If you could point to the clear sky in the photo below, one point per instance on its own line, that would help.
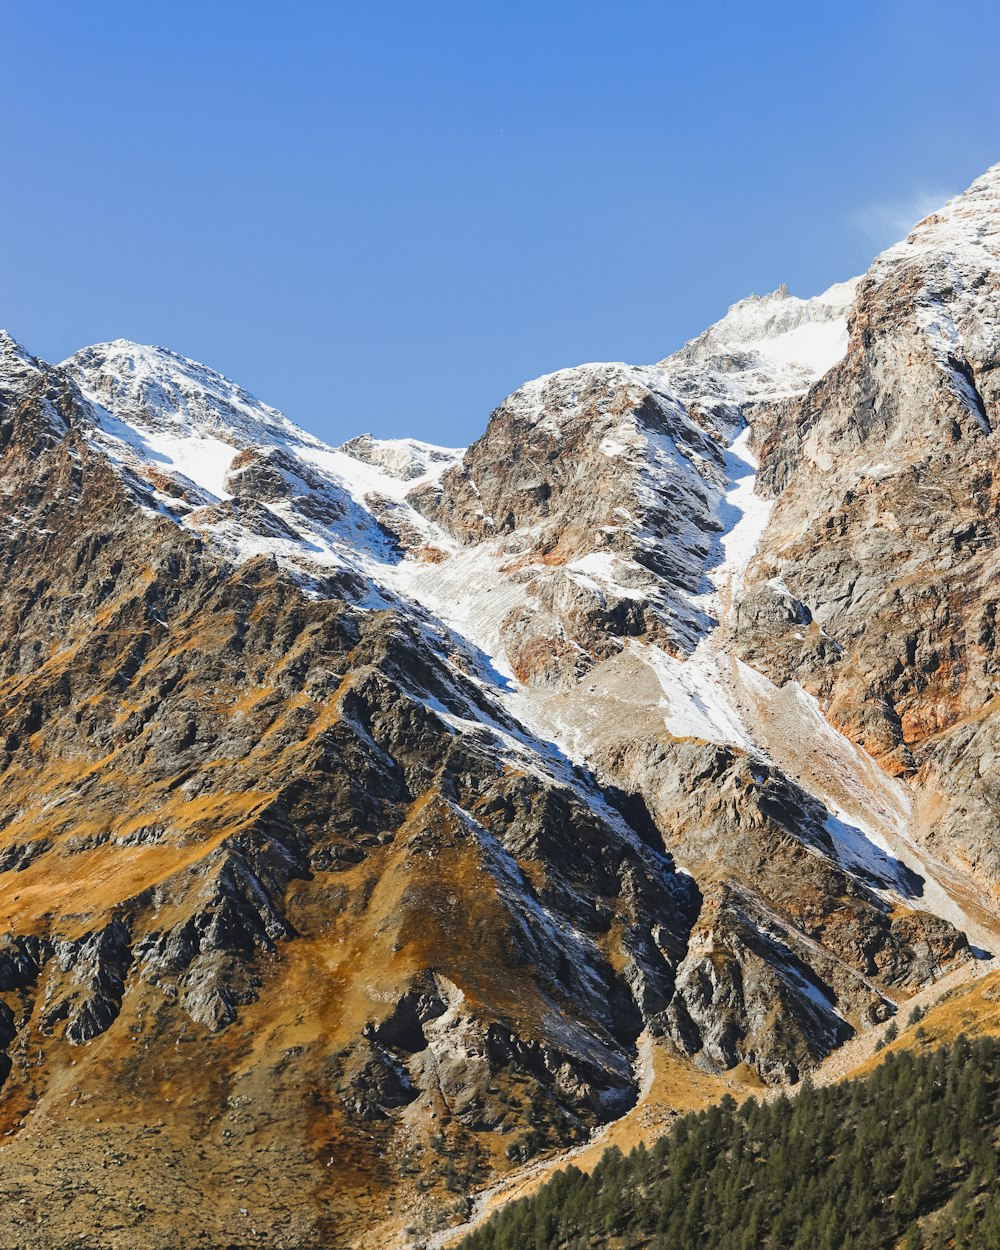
(385, 215)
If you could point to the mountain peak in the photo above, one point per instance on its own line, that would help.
(403, 459)
(159, 386)
(969, 220)
(17, 365)
(766, 347)
(944, 266)
(11, 349)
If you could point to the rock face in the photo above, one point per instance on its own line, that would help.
(361, 808)
(885, 528)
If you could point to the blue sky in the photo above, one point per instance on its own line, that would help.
(385, 216)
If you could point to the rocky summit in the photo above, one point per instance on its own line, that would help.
(379, 823)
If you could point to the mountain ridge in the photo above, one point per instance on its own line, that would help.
(422, 790)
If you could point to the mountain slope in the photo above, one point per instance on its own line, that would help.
(370, 815)
(239, 794)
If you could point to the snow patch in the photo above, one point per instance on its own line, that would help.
(697, 702)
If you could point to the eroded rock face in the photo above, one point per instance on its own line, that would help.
(344, 794)
(884, 533)
(597, 494)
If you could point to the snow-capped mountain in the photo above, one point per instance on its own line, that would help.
(389, 813)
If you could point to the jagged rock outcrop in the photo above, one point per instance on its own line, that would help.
(884, 532)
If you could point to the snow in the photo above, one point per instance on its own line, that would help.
(696, 690)
(153, 387)
(825, 1008)
(765, 348)
(955, 254)
(748, 513)
(203, 460)
(156, 414)
(935, 319)
(867, 854)
(815, 346)
(363, 479)
(19, 370)
(188, 417)
(697, 703)
(470, 594)
(604, 570)
(612, 445)
(870, 814)
(16, 365)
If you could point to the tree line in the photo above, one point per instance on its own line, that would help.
(904, 1157)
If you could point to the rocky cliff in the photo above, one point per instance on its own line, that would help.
(366, 814)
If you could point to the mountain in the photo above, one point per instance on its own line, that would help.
(379, 821)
